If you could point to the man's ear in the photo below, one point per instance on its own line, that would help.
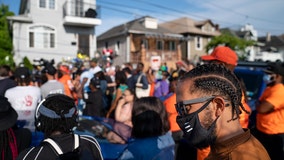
(219, 105)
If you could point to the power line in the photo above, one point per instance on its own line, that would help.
(241, 14)
(183, 13)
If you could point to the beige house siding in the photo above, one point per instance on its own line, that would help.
(195, 52)
(141, 54)
(192, 29)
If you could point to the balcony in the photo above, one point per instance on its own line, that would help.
(81, 14)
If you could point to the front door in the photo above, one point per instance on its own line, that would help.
(84, 44)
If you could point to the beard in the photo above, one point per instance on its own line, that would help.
(210, 125)
(210, 139)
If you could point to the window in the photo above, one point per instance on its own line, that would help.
(84, 44)
(172, 45)
(116, 48)
(79, 8)
(145, 42)
(160, 45)
(106, 45)
(41, 36)
(42, 3)
(198, 43)
(118, 44)
(47, 4)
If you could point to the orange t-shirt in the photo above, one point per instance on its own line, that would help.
(152, 89)
(244, 117)
(203, 153)
(172, 113)
(66, 81)
(272, 123)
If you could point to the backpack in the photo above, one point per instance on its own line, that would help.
(73, 155)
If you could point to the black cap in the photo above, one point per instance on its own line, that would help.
(22, 72)
(49, 69)
(275, 68)
(95, 82)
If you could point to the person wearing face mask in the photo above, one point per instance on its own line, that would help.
(208, 105)
(270, 112)
(227, 57)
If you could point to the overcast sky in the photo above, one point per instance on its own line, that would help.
(265, 15)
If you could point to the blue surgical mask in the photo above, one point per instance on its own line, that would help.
(268, 78)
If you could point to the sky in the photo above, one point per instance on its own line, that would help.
(264, 15)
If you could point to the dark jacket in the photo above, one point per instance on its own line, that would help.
(89, 148)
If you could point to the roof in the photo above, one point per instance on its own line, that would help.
(275, 42)
(136, 26)
(20, 18)
(186, 25)
(237, 33)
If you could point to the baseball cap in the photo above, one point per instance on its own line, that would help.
(64, 68)
(49, 69)
(94, 60)
(95, 82)
(223, 54)
(275, 68)
(22, 72)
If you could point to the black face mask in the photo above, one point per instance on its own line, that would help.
(194, 133)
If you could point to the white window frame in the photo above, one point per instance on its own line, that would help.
(41, 37)
(198, 43)
(47, 5)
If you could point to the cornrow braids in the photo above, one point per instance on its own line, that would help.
(215, 79)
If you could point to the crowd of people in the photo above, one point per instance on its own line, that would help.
(192, 112)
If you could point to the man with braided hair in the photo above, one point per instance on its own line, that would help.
(208, 104)
(226, 56)
(56, 116)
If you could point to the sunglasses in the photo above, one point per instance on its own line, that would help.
(183, 110)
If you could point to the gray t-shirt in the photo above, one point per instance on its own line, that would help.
(51, 87)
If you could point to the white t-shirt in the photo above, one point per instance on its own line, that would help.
(24, 99)
(95, 70)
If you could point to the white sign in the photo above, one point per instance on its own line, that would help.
(155, 62)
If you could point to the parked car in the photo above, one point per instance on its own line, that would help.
(251, 73)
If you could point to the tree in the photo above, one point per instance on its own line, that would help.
(229, 40)
(6, 45)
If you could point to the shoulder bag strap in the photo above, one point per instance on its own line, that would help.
(57, 147)
(76, 141)
(139, 78)
(54, 145)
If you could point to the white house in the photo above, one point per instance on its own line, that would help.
(54, 29)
